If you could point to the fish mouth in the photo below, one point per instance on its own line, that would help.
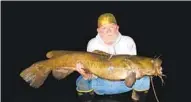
(157, 64)
(158, 69)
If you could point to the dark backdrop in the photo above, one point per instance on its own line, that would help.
(30, 29)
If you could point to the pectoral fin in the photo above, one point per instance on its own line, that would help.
(130, 79)
(61, 73)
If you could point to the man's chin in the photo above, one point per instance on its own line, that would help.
(109, 42)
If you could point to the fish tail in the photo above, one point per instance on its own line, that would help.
(35, 75)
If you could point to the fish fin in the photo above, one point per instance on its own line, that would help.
(55, 53)
(35, 75)
(61, 73)
(130, 79)
(49, 54)
(101, 52)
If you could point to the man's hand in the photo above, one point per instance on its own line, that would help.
(138, 73)
(86, 75)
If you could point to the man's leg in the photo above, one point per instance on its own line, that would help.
(139, 96)
(84, 89)
(140, 89)
(107, 87)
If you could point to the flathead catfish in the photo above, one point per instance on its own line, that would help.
(111, 67)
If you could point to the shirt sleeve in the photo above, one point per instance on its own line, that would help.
(134, 49)
(132, 46)
(91, 48)
(90, 45)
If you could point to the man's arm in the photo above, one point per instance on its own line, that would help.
(91, 46)
(132, 49)
(79, 66)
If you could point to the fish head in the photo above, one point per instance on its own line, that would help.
(157, 64)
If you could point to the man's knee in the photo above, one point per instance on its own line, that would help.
(142, 84)
(83, 85)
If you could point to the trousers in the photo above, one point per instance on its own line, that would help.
(106, 87)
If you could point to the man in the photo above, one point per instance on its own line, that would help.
(110, 40)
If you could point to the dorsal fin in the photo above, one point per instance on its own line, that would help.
(101, 52)
(56, 53)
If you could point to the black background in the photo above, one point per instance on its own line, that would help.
(30, 29)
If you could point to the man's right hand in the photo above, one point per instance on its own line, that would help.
(86, 75)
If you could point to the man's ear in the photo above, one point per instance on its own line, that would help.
(117, 27)
(98, 30)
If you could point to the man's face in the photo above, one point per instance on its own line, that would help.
(108, 33)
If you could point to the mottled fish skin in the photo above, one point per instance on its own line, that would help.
(101, 64)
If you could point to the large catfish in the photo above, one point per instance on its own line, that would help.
(111, 67)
